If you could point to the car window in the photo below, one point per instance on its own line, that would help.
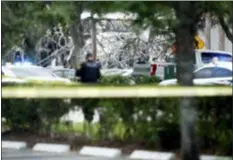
(221, 72)
(213, 72)
(58, 73)
(170, 58)
(207, 57)
(204, 73)
(65, 73)
(70, 73)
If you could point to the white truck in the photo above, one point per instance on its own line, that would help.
(161, 69)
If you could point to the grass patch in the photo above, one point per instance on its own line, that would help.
(118, 129)
(62, 128)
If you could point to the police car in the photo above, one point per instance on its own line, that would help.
(158, 68)
(24, 73)
(219, 73)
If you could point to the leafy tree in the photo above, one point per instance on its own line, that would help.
(19, 21)
(188, 15)
(223, 12)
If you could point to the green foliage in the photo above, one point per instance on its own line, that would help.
(31, 19)
(147, 80)
(32, 114)
(215, 121)
(19, 19)
(51, 110)
(115, 80)
(162, 16)
(152, 121)
(120, 80)
(21, 114)
(22, 20)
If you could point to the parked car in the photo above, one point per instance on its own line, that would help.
(63, 72)
(166, 69)
(115, 71)
(27, 73)
(211, 74)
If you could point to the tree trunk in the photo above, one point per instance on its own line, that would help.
(77, 36)
(93, 37)
(186, 31)
(225, 26)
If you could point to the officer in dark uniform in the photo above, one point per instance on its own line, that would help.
(18, 57)
(89, 71)
(98, 62)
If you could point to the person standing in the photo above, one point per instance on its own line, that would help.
(89, 73)
(18, 58)
(99, 63)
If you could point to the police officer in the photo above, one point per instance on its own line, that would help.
(98, 62)
(89, 71)
(18, 57)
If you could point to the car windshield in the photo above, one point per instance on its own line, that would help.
(28, 72)
(207, 57)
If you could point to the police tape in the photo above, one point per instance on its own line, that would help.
(114, 92)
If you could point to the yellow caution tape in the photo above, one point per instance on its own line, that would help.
(113, 92)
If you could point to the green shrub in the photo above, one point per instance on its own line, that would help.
(34, 115)
(153, 121)
(147, 80)
(215, 122)
(115, 80)
(21, 114)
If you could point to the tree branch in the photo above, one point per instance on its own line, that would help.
(226, 29)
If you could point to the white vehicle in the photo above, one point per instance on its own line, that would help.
(202, 57)
(26, 73)
(211, 74)
(120, 72)
(63, 72)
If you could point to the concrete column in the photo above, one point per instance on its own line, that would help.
(221, 43)
(208, 31)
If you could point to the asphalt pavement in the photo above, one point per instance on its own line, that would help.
(28, 154)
